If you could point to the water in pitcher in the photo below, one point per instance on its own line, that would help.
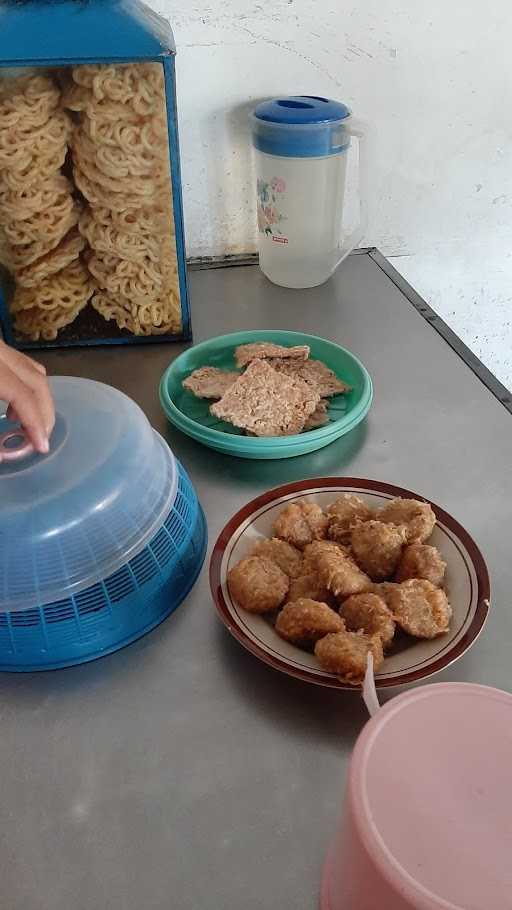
(300, 203)
(301, 146)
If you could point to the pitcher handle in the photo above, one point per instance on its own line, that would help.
(358, 130)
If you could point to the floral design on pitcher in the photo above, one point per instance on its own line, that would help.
(269, 216)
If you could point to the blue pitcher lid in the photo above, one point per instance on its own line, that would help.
(302, 109)
(301, 126)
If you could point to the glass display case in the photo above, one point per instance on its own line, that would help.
(91, 224)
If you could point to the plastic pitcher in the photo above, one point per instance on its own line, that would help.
(301, 146)
(428, 815)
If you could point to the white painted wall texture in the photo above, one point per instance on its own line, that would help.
(434, 77)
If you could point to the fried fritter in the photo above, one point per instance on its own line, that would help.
(346, 654)
(369, 613)
(383, 590)
(310, 587)
(317, 521)
(257, 584)
(338, 571)
(418, 518)
(288, 558)
(343, 514)
(304, 621)
(420, 608)
(377, 548)
(301, 523)
(314, 549)
(421, 561)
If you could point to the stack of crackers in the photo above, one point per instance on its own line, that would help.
(280, 392)
(100, 228)
(39, 240)
(121, 167)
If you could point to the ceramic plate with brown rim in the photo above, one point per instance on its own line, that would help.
(409, 660)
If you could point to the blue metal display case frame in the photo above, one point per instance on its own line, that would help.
(56, 33)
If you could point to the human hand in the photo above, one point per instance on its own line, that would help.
(25, 388)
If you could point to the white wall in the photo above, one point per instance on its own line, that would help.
(435, 79)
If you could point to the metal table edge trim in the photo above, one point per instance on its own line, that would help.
(421, 306)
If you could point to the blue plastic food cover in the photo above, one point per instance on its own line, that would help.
(100, 540)
(92, 246)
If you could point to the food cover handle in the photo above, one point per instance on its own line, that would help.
(15, 445)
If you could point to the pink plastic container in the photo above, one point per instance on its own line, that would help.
(428, 815)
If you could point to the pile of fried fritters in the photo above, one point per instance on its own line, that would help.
(343, 580)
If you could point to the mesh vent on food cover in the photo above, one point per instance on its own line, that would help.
(116, 609)
(74, 516)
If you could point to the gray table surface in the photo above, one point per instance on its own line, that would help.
(181, 772)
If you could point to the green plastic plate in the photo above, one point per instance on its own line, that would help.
(192, 415)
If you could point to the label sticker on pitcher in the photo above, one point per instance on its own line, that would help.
(270, 218)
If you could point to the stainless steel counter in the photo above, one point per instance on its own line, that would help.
(181, 773)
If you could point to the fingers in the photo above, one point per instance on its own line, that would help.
(24, 403)
(44, 401)
(12, 357)
(34, 376)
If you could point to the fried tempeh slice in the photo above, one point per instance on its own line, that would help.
(265, 403)
(314, 372)
(319, 417)
(246, 353)
(210, 382)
